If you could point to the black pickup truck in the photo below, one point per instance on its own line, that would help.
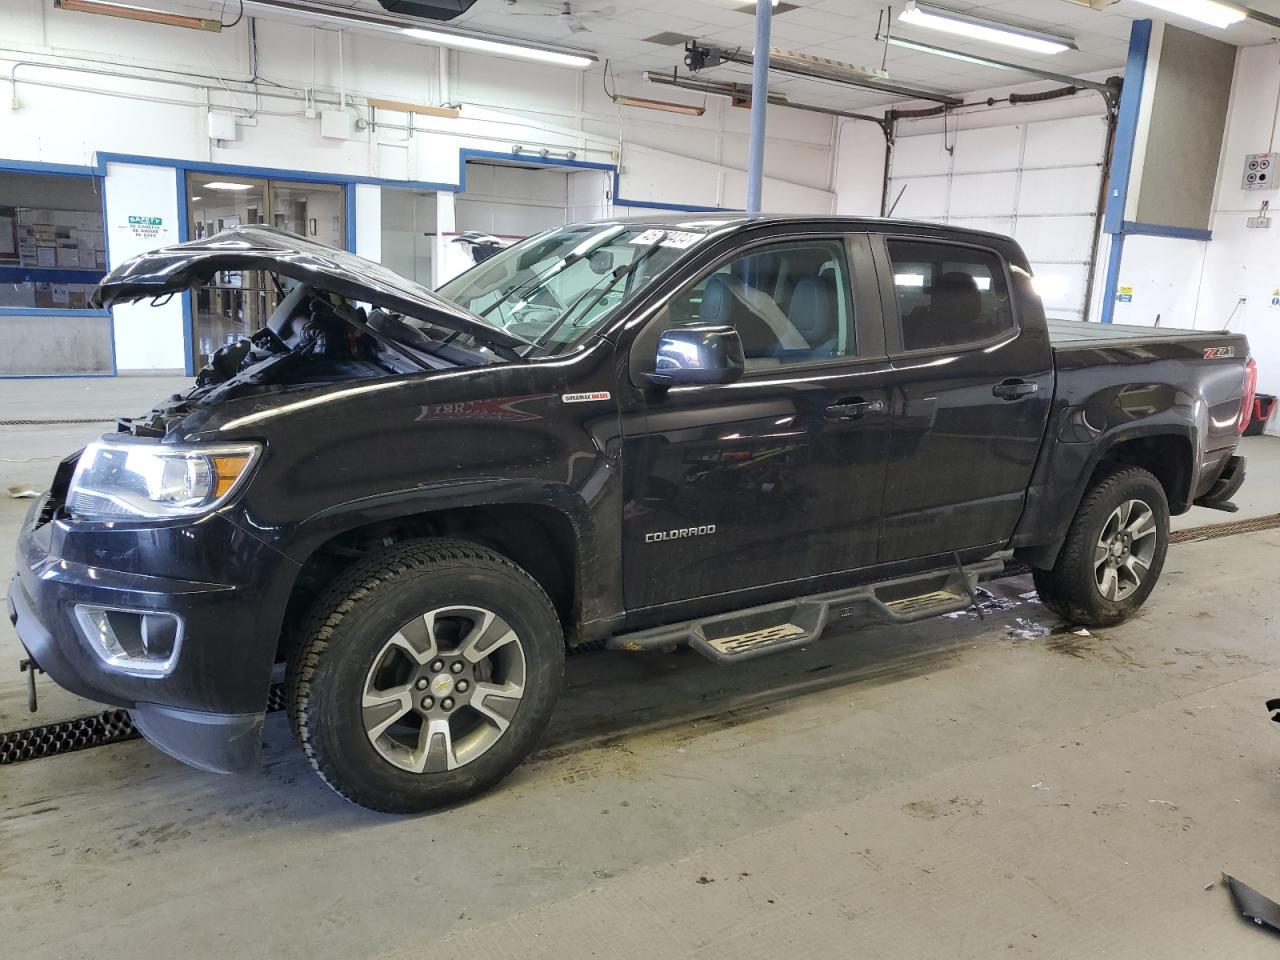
(708, 430)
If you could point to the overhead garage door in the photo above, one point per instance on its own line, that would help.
(1036, 181)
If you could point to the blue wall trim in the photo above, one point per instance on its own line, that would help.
(303, 176)
(53, 312)
(49, 275)
(1135, 71)
(62, 169)
(349, 217)
(1158, 230)
(188, 315)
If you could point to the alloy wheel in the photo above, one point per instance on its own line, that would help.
(1125, 550)
(443, 689)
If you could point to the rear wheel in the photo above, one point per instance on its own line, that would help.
(1114, 550)
(427, 674)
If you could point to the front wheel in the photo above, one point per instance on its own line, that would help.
(1113, 553)
(426, 675)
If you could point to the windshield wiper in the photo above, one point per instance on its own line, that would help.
(620, 273)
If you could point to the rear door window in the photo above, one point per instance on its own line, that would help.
(948, 295)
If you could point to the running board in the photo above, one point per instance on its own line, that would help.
(774, 627)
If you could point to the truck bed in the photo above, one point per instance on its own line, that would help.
(1077, 333)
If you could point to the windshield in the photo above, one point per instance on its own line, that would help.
(556, 288)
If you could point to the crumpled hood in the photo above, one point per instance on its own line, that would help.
(174, 269)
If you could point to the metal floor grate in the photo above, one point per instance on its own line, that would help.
(1234, 528)
(49, 423)
(114, 726)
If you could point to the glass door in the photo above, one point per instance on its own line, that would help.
(236, 303)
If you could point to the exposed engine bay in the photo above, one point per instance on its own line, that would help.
(312, 338)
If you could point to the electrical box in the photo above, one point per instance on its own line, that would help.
(222, 125)
(1260, 171)
(335, 124)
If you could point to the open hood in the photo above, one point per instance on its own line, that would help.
(173, 269)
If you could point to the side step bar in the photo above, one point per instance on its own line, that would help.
(774, 627)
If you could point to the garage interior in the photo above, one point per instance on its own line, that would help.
(997, 781)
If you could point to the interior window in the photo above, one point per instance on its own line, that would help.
(790, 302)
(948, 296)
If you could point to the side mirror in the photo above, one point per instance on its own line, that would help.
(704, 354)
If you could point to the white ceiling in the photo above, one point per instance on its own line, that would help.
(842, 30)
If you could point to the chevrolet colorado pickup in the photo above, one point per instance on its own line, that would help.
(716, 431)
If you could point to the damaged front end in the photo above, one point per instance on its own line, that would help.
(340, 318)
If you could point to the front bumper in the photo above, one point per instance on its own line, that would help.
(229, 588)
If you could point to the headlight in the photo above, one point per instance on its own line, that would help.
(117, 480)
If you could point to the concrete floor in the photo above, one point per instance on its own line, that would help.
(957, 788)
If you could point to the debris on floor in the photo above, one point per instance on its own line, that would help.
(22, 493)
(1252, 905)
(1273, 708)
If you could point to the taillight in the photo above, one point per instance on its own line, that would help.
(1250, 394)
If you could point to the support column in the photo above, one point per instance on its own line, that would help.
(759, 104)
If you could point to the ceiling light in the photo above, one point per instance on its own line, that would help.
(977, 28)
(1220, 15)
(461, 41)
(197, 198)
(228, 185)
(941, 52)
(144, 14)
(1103, 88)
(444, 36)
(663, 105)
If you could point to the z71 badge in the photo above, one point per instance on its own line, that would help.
(1219, 353)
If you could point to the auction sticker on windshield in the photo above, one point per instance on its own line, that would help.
(674, 238)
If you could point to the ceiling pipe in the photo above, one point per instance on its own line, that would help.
(740, 94)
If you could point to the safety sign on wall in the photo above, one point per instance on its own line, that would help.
(145, 228)
(1275, 300)
(1124, 294)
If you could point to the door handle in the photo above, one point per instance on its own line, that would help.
(854, 409)
(1014, 389)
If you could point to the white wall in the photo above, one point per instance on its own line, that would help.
(1240, 262)
(147, 337)
(1029, 170)
(65, 115)
(89, 85)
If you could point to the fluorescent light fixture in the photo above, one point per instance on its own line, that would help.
(503, 48)
(978, 28)
(228, 185)
(197, 198)
(127, 11)
(663, 105)
(908, 279)
(941, 52)
(1220, 15)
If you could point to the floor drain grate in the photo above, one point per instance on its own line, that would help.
(52, 423)
(51, 739)
(1234, 528)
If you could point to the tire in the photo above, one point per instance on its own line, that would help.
(1074, 588)
(368, 662)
